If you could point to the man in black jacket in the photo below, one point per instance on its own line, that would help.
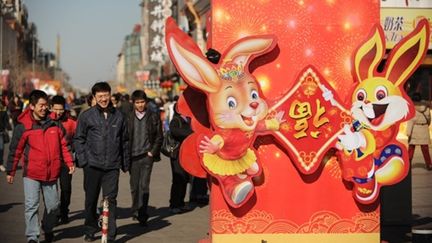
(4, 124)
(101, 144)
(146, 137)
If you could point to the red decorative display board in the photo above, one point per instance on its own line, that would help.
(294, 126)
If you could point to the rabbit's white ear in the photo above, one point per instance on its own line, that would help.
(368, 56)
(242, 51)
(196, 71)
(408, 54)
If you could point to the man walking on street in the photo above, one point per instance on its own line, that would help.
(145, 129)
(4, 135)
(37, 135)
(101, 145)
(58, 113)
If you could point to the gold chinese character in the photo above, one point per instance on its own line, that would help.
(317, 120)
(301, 112)
(301, 126)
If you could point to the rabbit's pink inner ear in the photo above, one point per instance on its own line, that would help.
(408, 54)
(242, 52)
(194, 69)
(369, 55)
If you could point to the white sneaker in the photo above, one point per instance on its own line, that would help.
(2, 168)
(253, 169)
(241, 191)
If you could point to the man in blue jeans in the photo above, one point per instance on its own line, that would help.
(44, 140)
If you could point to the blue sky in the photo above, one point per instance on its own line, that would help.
(91, 31)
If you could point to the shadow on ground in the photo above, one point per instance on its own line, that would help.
(157, 220)
(6, 207)
(418, 220)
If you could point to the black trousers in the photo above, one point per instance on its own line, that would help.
(94, 180)
(199, 189)
(180, 179)
(140, 173)
(66, 191)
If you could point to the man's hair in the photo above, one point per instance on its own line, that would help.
(35, 95)
(89, 99)
(116, 96)
(58, 100)
(139, 95)
(125, 97)
(100, 87)
(417, 97)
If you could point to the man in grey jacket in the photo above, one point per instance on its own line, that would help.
(102, 148)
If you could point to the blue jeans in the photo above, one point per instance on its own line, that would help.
(32, 189)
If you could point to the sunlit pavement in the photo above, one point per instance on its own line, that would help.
(162, 226)
(421, 190)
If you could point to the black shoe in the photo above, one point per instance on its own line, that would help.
(175, 210)
(49, 237)
(201, 200)
(180, 210)
(32, 241)
(89, 238)
(64, 220)
(143, 220)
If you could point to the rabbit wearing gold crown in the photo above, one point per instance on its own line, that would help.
(372, 157)
(236, 111)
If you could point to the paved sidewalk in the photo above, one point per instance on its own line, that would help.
(163, 226)
(421, 190)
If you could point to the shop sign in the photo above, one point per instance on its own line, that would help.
(397, 23)
(406, 4)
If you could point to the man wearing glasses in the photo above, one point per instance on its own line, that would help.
(101, 145)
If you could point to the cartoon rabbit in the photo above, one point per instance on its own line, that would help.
(372, 157)
(236, 110)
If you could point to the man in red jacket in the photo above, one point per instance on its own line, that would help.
(43, 144)
(58, 113)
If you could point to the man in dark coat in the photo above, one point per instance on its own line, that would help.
(146, 138)
(102, 146)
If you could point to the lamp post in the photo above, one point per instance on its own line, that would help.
(33, 57)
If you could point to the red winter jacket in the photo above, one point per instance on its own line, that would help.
(43, 145)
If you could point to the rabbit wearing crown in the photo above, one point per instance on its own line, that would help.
(372, 157)
(236, 112)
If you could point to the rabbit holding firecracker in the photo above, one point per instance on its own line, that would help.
(236, 111)
(372, 157)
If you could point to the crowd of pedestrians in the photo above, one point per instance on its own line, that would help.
(109, 133)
